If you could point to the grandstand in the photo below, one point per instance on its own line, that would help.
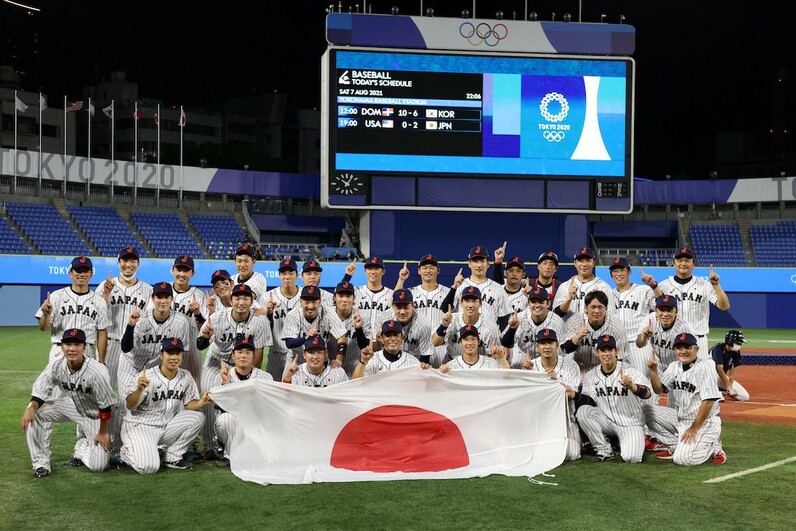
(47, 229)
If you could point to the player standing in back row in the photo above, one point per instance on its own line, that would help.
(188, 301)
(569, 299)
(122, 294)
(244, 263)
(76, 306)
(495, 302)
(634, 306)
(693, 294)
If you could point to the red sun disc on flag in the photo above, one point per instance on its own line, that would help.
(400, 439)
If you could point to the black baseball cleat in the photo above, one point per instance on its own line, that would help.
(41, 472)
(74, 461)
(603, 457)
(182, 464)
(222, 463)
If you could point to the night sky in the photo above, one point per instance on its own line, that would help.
(702, 67)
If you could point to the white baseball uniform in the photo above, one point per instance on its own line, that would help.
(160, 419)
(121, 301)
(327, 377)
(618, 412)
(192, 359)
(518, 301)
(416, 333)
(494, 301)
(296, 325)
(278, 351)
(688, 388)
(353, 353)
(525, 337)
(693, 305)
(428, 304)
(568, 373)
(585, 355)
(633, 307)
(86, 311)
(662, 341)
(380, 363)
(83, 394)
(483, 362)
(372, 303)
(488, 334)
(577, 306)
(256, 282)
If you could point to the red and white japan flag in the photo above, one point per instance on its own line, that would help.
(404, 424)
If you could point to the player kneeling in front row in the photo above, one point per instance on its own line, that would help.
(315, 371)
(617, 391)
(87, 399)
(244, 369)
(469, 341)
(162, 409)
(565, 371)
(693, 419)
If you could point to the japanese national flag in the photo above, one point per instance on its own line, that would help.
(404, 424)
(108, 111)
(183, 119)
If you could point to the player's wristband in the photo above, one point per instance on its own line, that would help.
(641, 391)
(442, 330)
(425, 359)
(341, 348)
(362, 362)
(104, 414)
(654, 286)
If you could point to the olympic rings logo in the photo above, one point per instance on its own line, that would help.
(554, 136)
(562, 101)
(483, 33)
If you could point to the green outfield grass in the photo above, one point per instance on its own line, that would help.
(784, 338)
(588, 495)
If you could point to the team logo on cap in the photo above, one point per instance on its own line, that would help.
(583, 251)
(665, 298)
(391, 324)
(682, 337)
(163, 285)
(73, 333)
(315, 341)
(174, 341)
(616, 260)
(516, 259)
(374, 260)
(549, 253)
(537, 291)
(477, 250)
(129, 249)
(428, 257)
(311, 289)
(471, 289)
(245, 341)
(346, 285)
(605, 338)
(287, 260)
(218, 272)
(402, 295)
(546, 332)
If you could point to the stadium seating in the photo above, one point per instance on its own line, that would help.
(106, 229)
(47, 229)
(220, 234)
(167, 234)
(10, 243)
(719, 245)
(774, 245)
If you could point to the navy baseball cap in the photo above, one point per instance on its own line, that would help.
(73, 335)
(479, 251)
(584, 252)
(247, 249)
(81, 262)
(314, 342)
(684, 252)
(538, 294)
(311, 293)
(162, 288)
(666, 301)
(468, 330)
(288, 264)
(546, 334)
(128, 253)
(606, 341)
(311, 265)
(219, 274)
(344, 287)
(244, 342)
(183, 261)
(242, 289)
(428, 259)
(617, 263)
(515, 262)
(402, 296)
(549, 255)
(685, 339)
(374, 261)
(471, 292)
(391, 326)
(172, 343)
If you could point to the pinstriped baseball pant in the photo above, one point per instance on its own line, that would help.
(140, 441)
(226, 426)
(39, 435)
(694, 453)
(596, 425)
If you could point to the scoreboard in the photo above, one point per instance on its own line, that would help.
(408, 129)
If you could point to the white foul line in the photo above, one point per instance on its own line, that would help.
(750, 471)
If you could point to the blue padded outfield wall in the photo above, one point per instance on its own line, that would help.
(27, 279)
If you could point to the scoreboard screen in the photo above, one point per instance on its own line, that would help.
(427, 130)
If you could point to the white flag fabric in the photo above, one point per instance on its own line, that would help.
(405, 424)
(91, 109)
(20, 106)
(183, 119)
(42, 102)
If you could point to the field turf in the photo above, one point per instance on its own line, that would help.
(586, 495)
